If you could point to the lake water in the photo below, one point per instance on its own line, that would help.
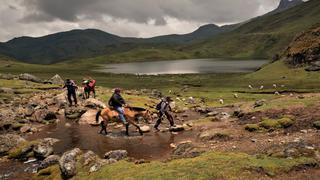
(191, 66)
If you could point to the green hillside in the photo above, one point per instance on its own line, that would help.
(261, 37)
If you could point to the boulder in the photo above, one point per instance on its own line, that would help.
(68, 163)
(93, 161)
(56, 79)
(29, 77)
(42, 150)
(185, 150)
(116, 155)
(74, 113)
(50, 116)
(9, 141)
(49, 161)
(94, 103)
(89, 117)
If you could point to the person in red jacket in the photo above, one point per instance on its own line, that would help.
(88, 87)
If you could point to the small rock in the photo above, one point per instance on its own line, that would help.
(145, 129)
(117, 155)
(25, 129)
(254, 140)
(177, 128)
(304, 131)
(67, 125)
(214, 113)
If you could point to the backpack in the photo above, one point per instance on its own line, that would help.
(158, 106)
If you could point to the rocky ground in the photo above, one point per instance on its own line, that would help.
(254, 128)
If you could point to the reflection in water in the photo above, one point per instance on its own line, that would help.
(150, 146)
(192, 66)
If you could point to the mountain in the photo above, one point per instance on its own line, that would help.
(286, 4)
(89, 43)
(262, 37)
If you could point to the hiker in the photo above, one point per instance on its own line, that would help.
(164, 107)
(71, 88)
(88, 87)
(116, 101)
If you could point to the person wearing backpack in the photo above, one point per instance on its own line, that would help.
(71, 91)
(164, 107)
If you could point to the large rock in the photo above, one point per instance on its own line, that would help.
(74, 113)
(185, 150)
(116, 155)
(49, 161)
(89, 117)
(91, 160)
(42, 150)
(68, 163)
(29, 77)
(94, 103)
(9, 141)
(56, 79)
(60, 100)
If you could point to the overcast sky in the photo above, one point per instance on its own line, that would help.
(136, 18)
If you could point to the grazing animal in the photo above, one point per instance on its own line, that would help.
(131, 113)
(261, 87)
(221, 101)
(235, 96)
(274, 85)
(250, 87)
(277, 93)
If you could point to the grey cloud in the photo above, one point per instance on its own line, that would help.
(142, 11)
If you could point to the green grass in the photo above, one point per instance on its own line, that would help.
(207, 166)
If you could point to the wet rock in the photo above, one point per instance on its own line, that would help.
(93, 161)
(29, 77)
(49, 161)
(202, 110)
(74, 113)
(9, 141)
(68, 163)
(177, 128)
(94, 103)
(186, 150)
(42, 150)
(145, 129)
(56, 79)
(117, 155)
(89, 117)
(259, 103)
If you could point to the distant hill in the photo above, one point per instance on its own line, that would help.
(261, 37)
(91, 42)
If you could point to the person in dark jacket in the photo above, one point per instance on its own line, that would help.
(71, 89)
(117, 102)
(164, 107)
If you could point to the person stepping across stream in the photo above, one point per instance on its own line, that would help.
(164, 107)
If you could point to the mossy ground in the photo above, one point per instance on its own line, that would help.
(207, 166)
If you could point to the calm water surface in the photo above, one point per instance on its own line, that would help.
(191, 66)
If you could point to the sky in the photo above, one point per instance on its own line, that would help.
(129, 18)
